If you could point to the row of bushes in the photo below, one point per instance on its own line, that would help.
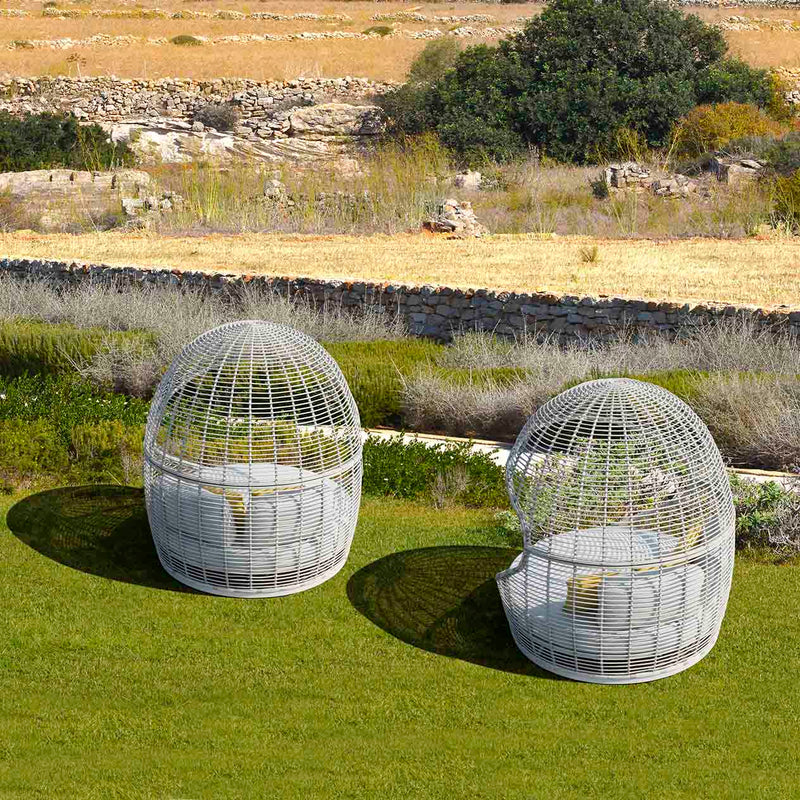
(103, 451)
(31, 346)
(36, 449)
(743, 383)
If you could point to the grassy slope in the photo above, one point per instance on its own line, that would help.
(696, 269)
(113, 689)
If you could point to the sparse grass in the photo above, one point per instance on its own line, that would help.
(754, 418)
(762, 271)
(741, 381)
(392, 193)
(134, 365)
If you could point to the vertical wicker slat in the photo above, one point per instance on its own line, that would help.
(252, 463)
(628, 526)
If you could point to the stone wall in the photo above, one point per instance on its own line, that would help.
(263, 105)
(436, 312)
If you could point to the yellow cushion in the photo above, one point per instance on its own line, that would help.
(236, 503)
(692, 536)
(583, 593)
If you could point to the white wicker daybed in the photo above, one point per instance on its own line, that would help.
(628, 525)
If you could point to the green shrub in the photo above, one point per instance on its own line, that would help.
(733, 80)
(107, 450)
(381, 30)
(767, 517)
(220, 116)
(413, 470)
(433, 61)
(787, 200)
(578, 74)
(30, 449)
(29, 346)
(64, 402)
(782, 155)
(101, 452)
(374, 372)
(406, 110)
(185, 40)
(707, 128)
(778, 105)
(46, 141)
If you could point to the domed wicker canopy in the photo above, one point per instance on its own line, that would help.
(253, 463)
(628, 526)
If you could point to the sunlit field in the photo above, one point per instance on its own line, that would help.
(381, 59)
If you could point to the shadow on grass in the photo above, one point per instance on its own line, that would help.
(102, 530)
(444, 600)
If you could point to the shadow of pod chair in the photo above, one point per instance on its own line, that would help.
(252, 463)
(628, 526)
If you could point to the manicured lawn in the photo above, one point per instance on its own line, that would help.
(115, 689)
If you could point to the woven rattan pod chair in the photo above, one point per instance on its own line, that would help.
(628, 526)
(252, 463)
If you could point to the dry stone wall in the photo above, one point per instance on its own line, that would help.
(431, 311)
(264, 106)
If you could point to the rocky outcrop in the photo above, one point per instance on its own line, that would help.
(735, 170)
(456, 219)
(331, 136)
(336, 120)
(303, 120)
(62, 196)
(630, 175)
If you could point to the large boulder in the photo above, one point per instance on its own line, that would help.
(336, 119)
(456, 219)
(736, 170)
(168, 141)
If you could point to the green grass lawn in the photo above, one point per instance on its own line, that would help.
(118, 684)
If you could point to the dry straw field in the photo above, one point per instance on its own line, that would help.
(378, 58)
(687, 270)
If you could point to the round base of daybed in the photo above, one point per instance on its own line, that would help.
(286, 532)
(590, 677)
(672, 666)
(640, 625)
(285, 583)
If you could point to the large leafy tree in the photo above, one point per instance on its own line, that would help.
(580, 72)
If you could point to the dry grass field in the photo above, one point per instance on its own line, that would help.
(382, 59)
(763, 272)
